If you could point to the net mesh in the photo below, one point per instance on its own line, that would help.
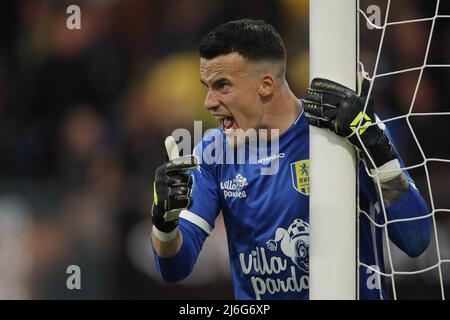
(405, 49)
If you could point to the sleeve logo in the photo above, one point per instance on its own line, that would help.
(300, 176)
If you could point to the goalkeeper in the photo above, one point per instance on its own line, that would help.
(243, 66)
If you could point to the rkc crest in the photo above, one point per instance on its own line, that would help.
(300, 176)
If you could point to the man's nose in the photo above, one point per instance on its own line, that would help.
(211, 101)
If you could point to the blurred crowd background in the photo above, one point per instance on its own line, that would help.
(84, 113)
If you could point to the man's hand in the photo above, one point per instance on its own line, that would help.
(172, 188)
(340, 109)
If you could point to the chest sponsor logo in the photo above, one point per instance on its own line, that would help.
(300, 176)
(285, 266)
(234, 188)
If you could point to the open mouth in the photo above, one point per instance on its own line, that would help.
(228, 123)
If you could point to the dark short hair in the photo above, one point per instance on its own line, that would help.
(253, 39)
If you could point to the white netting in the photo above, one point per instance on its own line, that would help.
(411, 124)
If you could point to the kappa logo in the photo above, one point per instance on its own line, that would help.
(234, 188)
(294, 243)
(300, 176)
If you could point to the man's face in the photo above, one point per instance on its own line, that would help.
(233, 91)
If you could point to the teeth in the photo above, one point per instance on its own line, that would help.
(228, 122)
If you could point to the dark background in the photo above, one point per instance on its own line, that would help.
(83, 115)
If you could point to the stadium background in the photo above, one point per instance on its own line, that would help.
(83, 115)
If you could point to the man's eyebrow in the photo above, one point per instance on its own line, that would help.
(215, 82)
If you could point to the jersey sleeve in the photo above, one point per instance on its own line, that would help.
(178, 267)
(411, 236)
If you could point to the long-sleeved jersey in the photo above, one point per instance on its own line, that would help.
(267, 220)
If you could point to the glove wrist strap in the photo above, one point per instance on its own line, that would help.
(165, 236)
(387, 171)
(380, 152)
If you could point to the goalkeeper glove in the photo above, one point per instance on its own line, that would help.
(172, 188)
(338, 108)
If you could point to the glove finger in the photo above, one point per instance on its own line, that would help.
(181, 164)
(325, 111)
(331, 99)
(324, 97)
(313, 108)
(317, 121)
(313, 96)
(179, 193)
(325, 85)
(171, 148)
(175, 180)
(180, 204)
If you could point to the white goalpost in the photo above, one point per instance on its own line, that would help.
(333, 55)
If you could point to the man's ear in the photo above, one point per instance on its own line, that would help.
(267, 85)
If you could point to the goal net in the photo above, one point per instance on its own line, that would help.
(405, 50)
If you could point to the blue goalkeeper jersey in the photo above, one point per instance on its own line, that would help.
(267, 221)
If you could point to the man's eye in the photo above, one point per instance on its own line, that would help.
(223, 86)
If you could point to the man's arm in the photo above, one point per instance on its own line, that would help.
(340, 109)
(167, 249)
(177, 264)
(394, 189)
(172, 193)
(176, 240)
(333, 106)
(392, 181)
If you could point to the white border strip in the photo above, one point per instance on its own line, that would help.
(197, 220)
